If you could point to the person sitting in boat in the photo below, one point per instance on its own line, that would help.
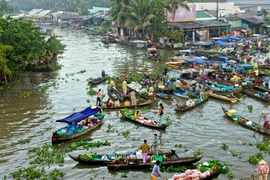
(109, 103)
(116, 103)
(190, 103)
(126, 103)
(184, 84)
(232, 94)
(112, 84)
(137, 115)
(266, 94)
(103, 74)
(235, 79)
(264, 116)
(151, 91)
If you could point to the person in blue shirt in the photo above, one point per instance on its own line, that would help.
(155, 172)
(266, 82)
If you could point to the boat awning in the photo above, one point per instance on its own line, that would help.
(194, 60)
(204, 43)
(78, 116)
(222, 43)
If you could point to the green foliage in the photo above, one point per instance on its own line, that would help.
(21, 141)
(222, 166)
(224, 147)
(87, 145)
(178, 145)
(138, 77)
(178, 169)
(105, 25)
(126, 134)
(176, 35)
(168, 120)
(198, 152)
(91, 92)
(25, 94)
(124, 174)
(264, 146)
(250, 108)
(253, 160)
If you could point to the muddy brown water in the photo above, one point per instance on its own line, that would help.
(204, 128)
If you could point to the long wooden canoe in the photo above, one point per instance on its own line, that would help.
(145, 103)
(247, 123)
(115, 94)
(56, 138)
(222, 97)
(255, 94)
(98, 80)
(138, 164)
(95, 162)
(183, 107)
(154, 126)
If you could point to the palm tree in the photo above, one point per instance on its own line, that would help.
(265, 18)
(172, 6)
(119, 12)
(139, 17)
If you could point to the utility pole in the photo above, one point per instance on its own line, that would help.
(217, 9)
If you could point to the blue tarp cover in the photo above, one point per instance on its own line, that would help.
(78, 116)
(196, 60)
(204, 43)
(231, 38)
(222, 43)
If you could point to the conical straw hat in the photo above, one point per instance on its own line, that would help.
(262, 162)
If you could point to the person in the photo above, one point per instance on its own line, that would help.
(201, 90)
(190, 103)
(151, 91)
(117, 103)
(184, 84)
(235, 79)
(160, 113)
(112, 84)
(133, 98)
(264, 116)
(109, 103)
(155, 145)
(145, 151)
(137, 115)
(103, 74)
(126, 103)
(124, 87)
(266, 82)
(99, 94)
(155, 172)
(177, 84)
(193, 85)
(263, 170)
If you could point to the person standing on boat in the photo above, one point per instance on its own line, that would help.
(264, 116)
(266, 82)
(155, 172)
(235, 79)
(177, 84)
(124, 87)
(133, 98)
(103, 74)
(112, 84)
(99, 94)
(155, 145)
(193, 85)
(160, 113)
(145, 151)
(263, 170)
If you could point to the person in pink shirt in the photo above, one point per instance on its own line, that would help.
(263, 170)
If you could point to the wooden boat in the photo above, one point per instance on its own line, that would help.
(247, 123)
(74, 119)
(115, 94)
(223, 88)
(256, 94)
(138, 164)
(162, 95)
(198, 101)
(143, 122)
(145, 103)
(222, 97)
(261, 88)
(95, 162)
(98, 80)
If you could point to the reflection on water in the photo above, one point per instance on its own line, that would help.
(204, 128)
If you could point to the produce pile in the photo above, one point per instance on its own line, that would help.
(95, 157)
(203, 171)
(128, 114)
(80, 126)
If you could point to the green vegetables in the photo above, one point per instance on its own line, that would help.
(88, 157)
(222, 166)
(88, 145)
(127, 113)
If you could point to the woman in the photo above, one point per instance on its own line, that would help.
(160, 113)
(117, 103)
(109, 103)
(263, 170)
(155, 172)
(137, 115)
(99, 94)
(124, 87)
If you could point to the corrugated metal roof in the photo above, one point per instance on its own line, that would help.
(35, 11)
(94, 10)
(44, 12)
(201, 24)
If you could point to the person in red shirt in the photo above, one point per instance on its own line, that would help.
(109, 103)
(160, 113)
(184, 84)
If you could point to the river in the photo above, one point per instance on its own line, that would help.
(204, 128)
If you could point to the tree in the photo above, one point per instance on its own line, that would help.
(159, 26)
(266, 19)
(139, 16)
(172, 6)
(119, 11)
(4, 6)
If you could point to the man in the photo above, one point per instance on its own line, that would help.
(155, 145)
(145, 151)
(133, 98)
(266, 82)
(160, 113)
(177, 84)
